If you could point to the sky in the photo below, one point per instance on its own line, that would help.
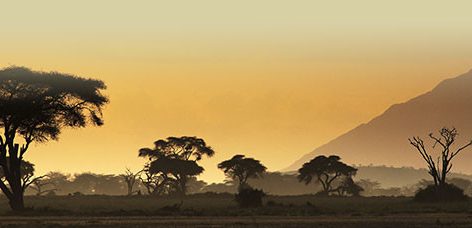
(269, 79)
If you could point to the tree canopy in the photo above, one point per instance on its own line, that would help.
(36, 106)
(241, 168)
(176, 167)
(325, 170)
(185, 148)
(172, 162)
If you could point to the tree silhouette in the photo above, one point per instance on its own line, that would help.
(349, 187)
(241, 169)
(195, 186)
(174, 160)
(369, 187)
(130, 179)
(176, 171)
(156, 184)
(184, 148)
(325, 170)
(36, 106)
(26, 174)
(439, 169)
(61, 182)
(39, 186)
(93, 184)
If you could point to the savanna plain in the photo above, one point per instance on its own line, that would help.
(220, 210)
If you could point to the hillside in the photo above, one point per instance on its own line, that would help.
(384, 140)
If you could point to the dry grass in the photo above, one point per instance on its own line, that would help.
(213, 210)
(423, 220)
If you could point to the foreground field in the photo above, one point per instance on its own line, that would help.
(423, 220)
(224, 205)
(220, 210)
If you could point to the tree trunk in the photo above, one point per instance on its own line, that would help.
(130, 189)
(16, 202)
(16, 198)
(183, 186)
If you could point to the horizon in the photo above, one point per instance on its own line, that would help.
(273, 85)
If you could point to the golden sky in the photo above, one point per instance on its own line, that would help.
(269, 79)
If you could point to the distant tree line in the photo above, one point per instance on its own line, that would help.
(56, 183)
(172, 168)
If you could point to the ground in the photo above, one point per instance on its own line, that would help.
(423, 220)
(220, 210)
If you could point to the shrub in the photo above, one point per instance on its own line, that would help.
(249, 197)
(77, 194)
(322, 194)
(443, 193)
(51, 193)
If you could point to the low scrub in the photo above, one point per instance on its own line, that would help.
(442, 193)
(249, 197)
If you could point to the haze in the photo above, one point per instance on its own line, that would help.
(268, 79)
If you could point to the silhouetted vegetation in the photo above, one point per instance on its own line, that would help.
(55, 183)
(36, 106)
(349, 188)
(442, 193)
(210, 204)
(439, 169)
(172, 162)
(155, 183)
(240, 168)
(327, 170)
(131, 179)
(249, 197)
(42, 186)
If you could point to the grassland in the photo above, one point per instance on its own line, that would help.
(220, 210)
(393, 221)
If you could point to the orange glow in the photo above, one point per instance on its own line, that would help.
(272, 79)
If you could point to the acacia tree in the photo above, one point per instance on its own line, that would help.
(34, 107)
(325, 170)
(175, 159)
(442, 166)
(240, 168)
(175, 172)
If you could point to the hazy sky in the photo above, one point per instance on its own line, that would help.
(269, 79)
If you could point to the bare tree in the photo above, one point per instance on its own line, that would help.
(442, 166)
(130, 179)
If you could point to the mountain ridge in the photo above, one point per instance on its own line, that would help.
(448, 104)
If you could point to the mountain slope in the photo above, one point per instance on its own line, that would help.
(384, 140)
